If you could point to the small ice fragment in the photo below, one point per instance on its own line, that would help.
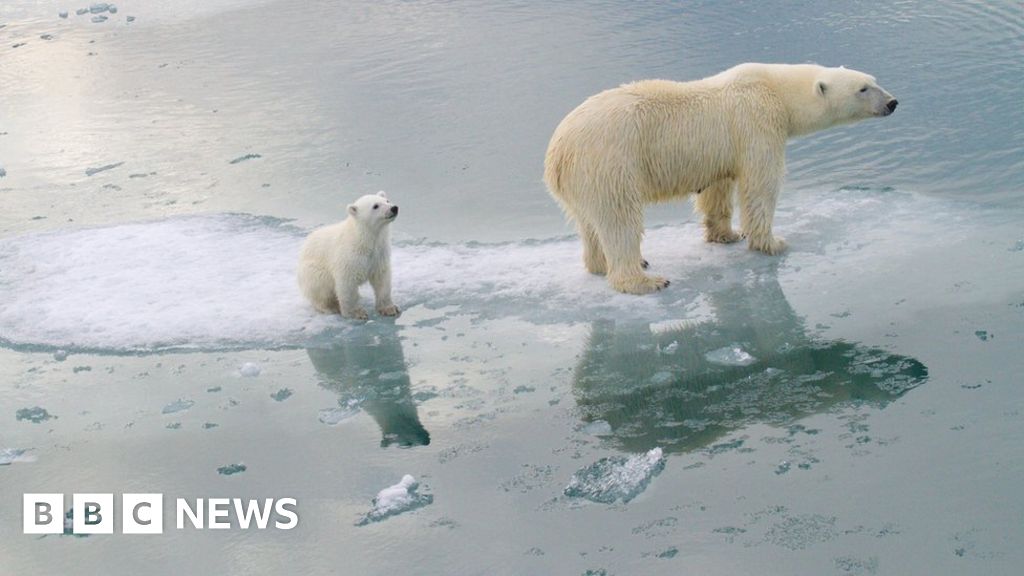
(81, 11)
(179, 405)
(982, 335)
(34, 415)
(99, 7)
(99, 18)
(282, 394)
(661, 377)
(249, 369)
(671, 348)
(598, 428)
(3, 172)
(337, 415)
(60, 355)
(783, 467)
(130, 19)
(394, 500)
(97, 170)
(616, 477)
(112, 9)
(730, 356)
(63, 14)
(231, 469)
(244, 158)
(10, 455)
(46, 36)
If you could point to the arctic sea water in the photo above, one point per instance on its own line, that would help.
(851, 407)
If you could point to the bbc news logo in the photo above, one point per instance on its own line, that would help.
(144, 513)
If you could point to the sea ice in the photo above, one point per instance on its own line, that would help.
(99, 7)
(179, 405)
(337, 415)
(231, 469)
(99, 18)
(104, 168)
(730, 356)
(393, 500)
(249, 369)
(63, 14)
(598, 428)
(34, 415)
(11, 455)
(616, 477)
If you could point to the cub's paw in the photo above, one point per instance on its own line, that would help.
(389, 310)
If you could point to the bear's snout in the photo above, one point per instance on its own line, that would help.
(394, 209)
(891, 105)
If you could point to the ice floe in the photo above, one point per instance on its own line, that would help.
(394, 500)
(616, 477)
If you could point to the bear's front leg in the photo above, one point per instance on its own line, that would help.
(347, 292)
(759, 192)
(381, 281)
(715, 202)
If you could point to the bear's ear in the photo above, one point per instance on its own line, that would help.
(382, 194)
(820, 87)
(352, 209)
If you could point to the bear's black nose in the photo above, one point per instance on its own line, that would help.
(892, 105)
(394, 210)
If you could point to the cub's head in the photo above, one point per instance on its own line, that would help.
(850, 95)
(373, 210)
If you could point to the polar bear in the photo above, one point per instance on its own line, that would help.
(336, 260)
(657, 140)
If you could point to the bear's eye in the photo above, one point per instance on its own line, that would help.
(864, 89)
(375, 206)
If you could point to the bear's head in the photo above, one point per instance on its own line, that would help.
(850, 95)
(374, 210)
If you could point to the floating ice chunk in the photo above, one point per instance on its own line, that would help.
(112, 9)
(63, 14)
(282, 394)
(99, 7)
(99, 18)
(250, 369)
(34, 415)
(81, 11)
(598, 428)
(3, 172)
(244, 158)
(616, 477)
(671, 348)
(231, 469)
(104, 168)
(60, 355)
(393, 500)
(11, 455)
(730, 356)
(130, 19)
(337, 415)
(179, 405)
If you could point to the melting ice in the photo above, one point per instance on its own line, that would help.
(393, 500)
(616, 477)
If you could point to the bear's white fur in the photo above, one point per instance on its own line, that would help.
(657, 140)
(336, 260)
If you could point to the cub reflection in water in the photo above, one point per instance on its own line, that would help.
(659, 387)
(367, 370)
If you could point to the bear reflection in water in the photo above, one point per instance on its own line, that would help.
(659, 388)
(368, 370)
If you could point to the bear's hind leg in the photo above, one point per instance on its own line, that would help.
(593, 254)
(347, 292)
(715, 202)
(620, 235)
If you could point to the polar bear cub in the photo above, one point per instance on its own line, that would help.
(336, 260)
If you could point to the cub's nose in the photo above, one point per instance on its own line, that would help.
(892, 105)
(394, 210)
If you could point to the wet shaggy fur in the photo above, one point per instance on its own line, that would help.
(658, 140)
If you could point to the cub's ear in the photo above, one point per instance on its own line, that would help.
(352, 209)
(382, 194)
(820, 87)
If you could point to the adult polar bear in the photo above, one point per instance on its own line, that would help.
(656, 140)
